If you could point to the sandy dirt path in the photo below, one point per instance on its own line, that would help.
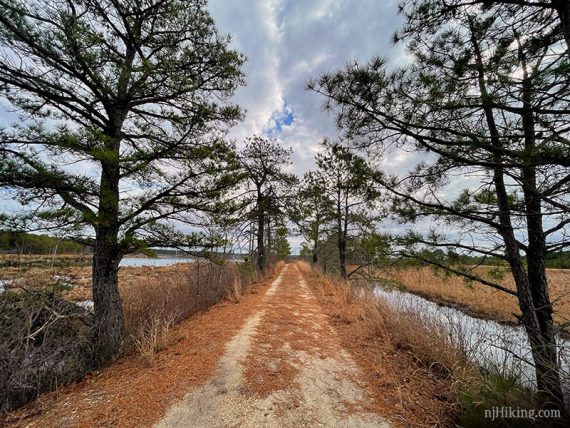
(284, 368)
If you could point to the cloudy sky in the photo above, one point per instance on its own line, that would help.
(287, 42)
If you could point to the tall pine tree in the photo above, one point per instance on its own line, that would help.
(122, 110)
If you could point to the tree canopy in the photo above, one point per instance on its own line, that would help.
(116, 92)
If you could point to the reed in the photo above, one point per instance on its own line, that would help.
(475, 298)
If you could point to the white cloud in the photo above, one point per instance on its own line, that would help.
(255, 32)
(289, 41)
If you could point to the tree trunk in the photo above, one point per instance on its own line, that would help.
(268, 249)
(538, 326)
(563, 9)
(109, 327)
(109, 330)
(316, 245)
(252, 234)
(109, 324)
(341, 237)
(260, 233)
(538, 323)
(537, 320)
(545, 353)
(541, 339)
(342, 257)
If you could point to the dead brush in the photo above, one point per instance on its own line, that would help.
(374, 315)
(472, 387)
(425, 339)
(235, 291)
(272, 269)
(153, 304)
(304, 267)
(153, 337)
(332, 289)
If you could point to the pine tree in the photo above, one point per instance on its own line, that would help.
(479, 100)
(122, 106)
(267, 186)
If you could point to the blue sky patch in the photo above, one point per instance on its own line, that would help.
(279, 119)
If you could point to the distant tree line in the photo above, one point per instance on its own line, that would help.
(30, 243)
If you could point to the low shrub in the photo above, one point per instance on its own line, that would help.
(44, 342)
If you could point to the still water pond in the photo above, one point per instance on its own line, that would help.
(157, 261)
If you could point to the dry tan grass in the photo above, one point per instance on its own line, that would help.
(479, 299)
(154, 303)
(428, 341)
(155, 298)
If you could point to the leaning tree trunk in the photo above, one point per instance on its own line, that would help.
(533, 299)
(535, 308)
(534, 304)
(540, 331)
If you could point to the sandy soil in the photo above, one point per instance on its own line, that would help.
(284, 368)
